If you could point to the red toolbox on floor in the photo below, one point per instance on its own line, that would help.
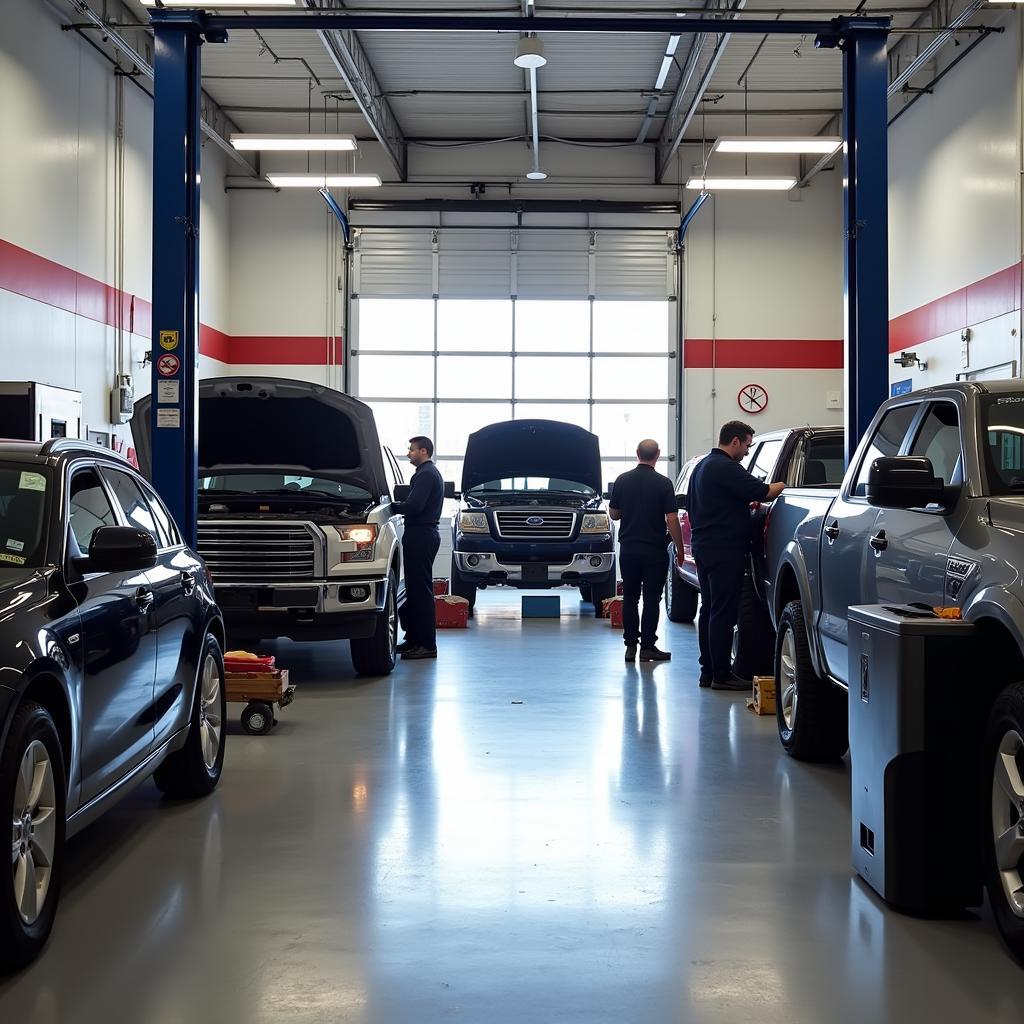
(440, 587)
(243, 661)
(611, 608)
(451, 612)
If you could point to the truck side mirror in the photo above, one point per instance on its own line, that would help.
(680, 502)
(904, 481)
(449, 490)
(402, 491)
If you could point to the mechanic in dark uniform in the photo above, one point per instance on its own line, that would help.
(422, 511)
(718, 505)
(644, 503)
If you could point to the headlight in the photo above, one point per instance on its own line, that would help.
(473, 522)
(357, 542)
(596, 522)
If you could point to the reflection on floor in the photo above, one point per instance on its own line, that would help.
(526, 830)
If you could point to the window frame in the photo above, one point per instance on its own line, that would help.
(918, 404)
(119, 508)
(78, 466)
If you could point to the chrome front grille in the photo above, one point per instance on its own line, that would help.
(514, 524)
(257, 552)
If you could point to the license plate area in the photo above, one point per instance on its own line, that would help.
(296, 597)
(534, 572)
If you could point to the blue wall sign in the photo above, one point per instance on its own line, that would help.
(901, 387)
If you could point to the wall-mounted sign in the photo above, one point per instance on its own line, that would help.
(168, 366)
(169, 340)
(752, 398)
(901, 387)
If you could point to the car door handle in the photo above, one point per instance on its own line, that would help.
(832, 530)
(144, 598)
(188, 580)
(878, 542)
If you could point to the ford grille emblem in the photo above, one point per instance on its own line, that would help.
(535, 521)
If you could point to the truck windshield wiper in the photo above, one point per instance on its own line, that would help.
(291, 492)
(220, 490)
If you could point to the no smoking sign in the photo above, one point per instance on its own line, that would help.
(168, 365)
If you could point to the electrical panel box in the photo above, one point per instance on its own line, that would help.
(913, 786)
(122, 399)
(36, 412)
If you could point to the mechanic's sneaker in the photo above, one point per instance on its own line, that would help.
(419, 653)
(405, 645)
(732, 683)
(704, 682)
(653, 654)
(630, 652)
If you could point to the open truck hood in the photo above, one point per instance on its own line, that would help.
(287, 424)
(532, 448)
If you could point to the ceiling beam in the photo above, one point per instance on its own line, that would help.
(349, 57)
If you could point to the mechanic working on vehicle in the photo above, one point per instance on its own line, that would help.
(644, 502)
(718, 505)
(420, 541)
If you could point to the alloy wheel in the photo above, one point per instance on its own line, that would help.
(34, 831)
(787, 670)
(1008, 818)
(210, 722)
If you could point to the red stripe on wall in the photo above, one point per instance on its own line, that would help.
(214, 343)
(764, 354)
(992, 296)
(316, 350)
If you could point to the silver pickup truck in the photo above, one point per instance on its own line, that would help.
(295, 520)
(931, 512)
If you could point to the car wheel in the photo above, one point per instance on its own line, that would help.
(32, 787)
(195, 769)
(811, 713)
(461, 587)
(680, 597)
(753, 639)
(1003, 838)
(258, 718)
(600, 592)
(376, 655)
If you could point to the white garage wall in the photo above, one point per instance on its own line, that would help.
(57, 107)
(955, 215)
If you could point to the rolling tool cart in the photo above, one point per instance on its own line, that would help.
(914, 833)
(256, 683)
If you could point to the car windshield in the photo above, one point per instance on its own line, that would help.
(245, 481)
(1002, 421)
(24, 492)
(529, 484)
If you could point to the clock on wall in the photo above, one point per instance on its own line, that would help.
(752, 398)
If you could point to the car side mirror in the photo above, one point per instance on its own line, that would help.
(121, 549)
(402, 491)
(680, 502)
(449, 490)
(904, 481)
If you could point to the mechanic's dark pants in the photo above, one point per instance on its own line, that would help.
(720, 572)
(419, 546)
(644, 570)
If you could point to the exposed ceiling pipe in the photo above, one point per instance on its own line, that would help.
(934, 46)
(536, 174)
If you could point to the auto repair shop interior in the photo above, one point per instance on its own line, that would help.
(249, 249)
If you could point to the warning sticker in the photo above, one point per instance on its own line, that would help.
(12, 559)
(168, 417)
(169, 340)
(15, 545)
(168, 366)
(168, 392)
(32, 482)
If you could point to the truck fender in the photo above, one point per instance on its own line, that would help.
(793, 561)
(998, 603)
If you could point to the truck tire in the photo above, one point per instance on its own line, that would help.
(585, 594)
(600, 592)
(195, 769)
(376, 655)
(1001, 802)
(754, 642)
(680, 597)
(811, 713)
(31, 751)
(461, 587)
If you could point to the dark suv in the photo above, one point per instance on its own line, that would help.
(110, 662)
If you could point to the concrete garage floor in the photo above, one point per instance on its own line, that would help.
(526, 830)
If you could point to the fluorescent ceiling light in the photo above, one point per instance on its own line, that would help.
(530, 53)
(537, 175)
(324, 180)
(823, 144)
(203, 5)
(753, 183)
(293, 141)
(666, 62)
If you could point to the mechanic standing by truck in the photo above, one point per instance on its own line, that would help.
(420, 541)
(718, 505)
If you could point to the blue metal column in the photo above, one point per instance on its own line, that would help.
(174, 415)
(865, 222)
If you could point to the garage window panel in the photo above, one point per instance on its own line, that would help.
(622, 426)
(396, 376)
(552, 377)
(396, 324)
(457, 420)
(474, 325)
(632, 326)
(474, 376)
(398, 421)
(551, 326)
(577, 413)
(612, 468)
(625, 377)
